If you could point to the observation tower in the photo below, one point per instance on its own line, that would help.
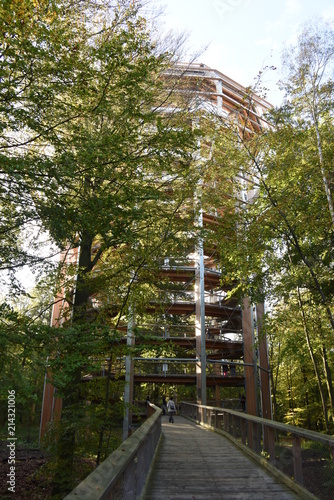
(210, 340)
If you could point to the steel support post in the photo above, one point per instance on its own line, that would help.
(219, 89)
(129, 382)
(200, 324)
(250, 359)
(264, 373)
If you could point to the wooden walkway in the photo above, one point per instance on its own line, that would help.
(196, 463)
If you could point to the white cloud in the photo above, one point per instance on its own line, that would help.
(328, 14)
(266, 42)
(292, 7)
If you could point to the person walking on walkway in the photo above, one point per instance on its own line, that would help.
(171, 409)
(164, 405)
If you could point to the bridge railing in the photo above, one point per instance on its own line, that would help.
(303, 459)
(123, 474)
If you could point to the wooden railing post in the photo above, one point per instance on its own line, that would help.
(255, 438)
(220, 419)
(235, 426)
(297, 460)
(243, 431)
(271, 444)
(226, 421)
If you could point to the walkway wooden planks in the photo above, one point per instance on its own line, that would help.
(196, 463)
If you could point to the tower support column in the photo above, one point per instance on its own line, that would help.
(250, 359)
(200, 325)
(129, 380)
(264, 372)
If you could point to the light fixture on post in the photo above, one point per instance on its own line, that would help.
(165, 368)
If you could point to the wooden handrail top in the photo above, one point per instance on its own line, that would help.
(296, 431)
(99, 483)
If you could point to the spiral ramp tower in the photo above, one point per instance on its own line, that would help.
(211, 341)
(216, 341)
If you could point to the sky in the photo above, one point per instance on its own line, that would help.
(244, 36)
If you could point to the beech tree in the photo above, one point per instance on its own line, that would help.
(97, 148)
(39, 42)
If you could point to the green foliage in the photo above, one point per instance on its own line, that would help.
(295, 388)
(22, 369)
(96, 151)
(276, 243)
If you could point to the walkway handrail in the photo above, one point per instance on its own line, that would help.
(280, 447)
(296, 431)
(124, 472)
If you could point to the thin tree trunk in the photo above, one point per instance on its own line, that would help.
(313, 359)
(274, 383)
(328, 378)
(308, 419)
(289, 378)
(322, 168)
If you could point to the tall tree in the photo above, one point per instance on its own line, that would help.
(97, 147)
(276, 231)
(39, 42)
(309, 85)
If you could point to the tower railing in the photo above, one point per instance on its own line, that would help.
(123, 474)
(302, 459)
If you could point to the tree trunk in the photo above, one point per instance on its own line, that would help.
(313, 359)
(322, 167)
(308, 417)
(82, 292)
(66, 442)
(328, 377)
(274, 383)
(290, 395)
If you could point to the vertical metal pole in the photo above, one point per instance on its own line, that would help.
(200, 322)
(128, 389)
(264, 364)
(219, 90)
(249, 357)
(203, 350)
(256, 374)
